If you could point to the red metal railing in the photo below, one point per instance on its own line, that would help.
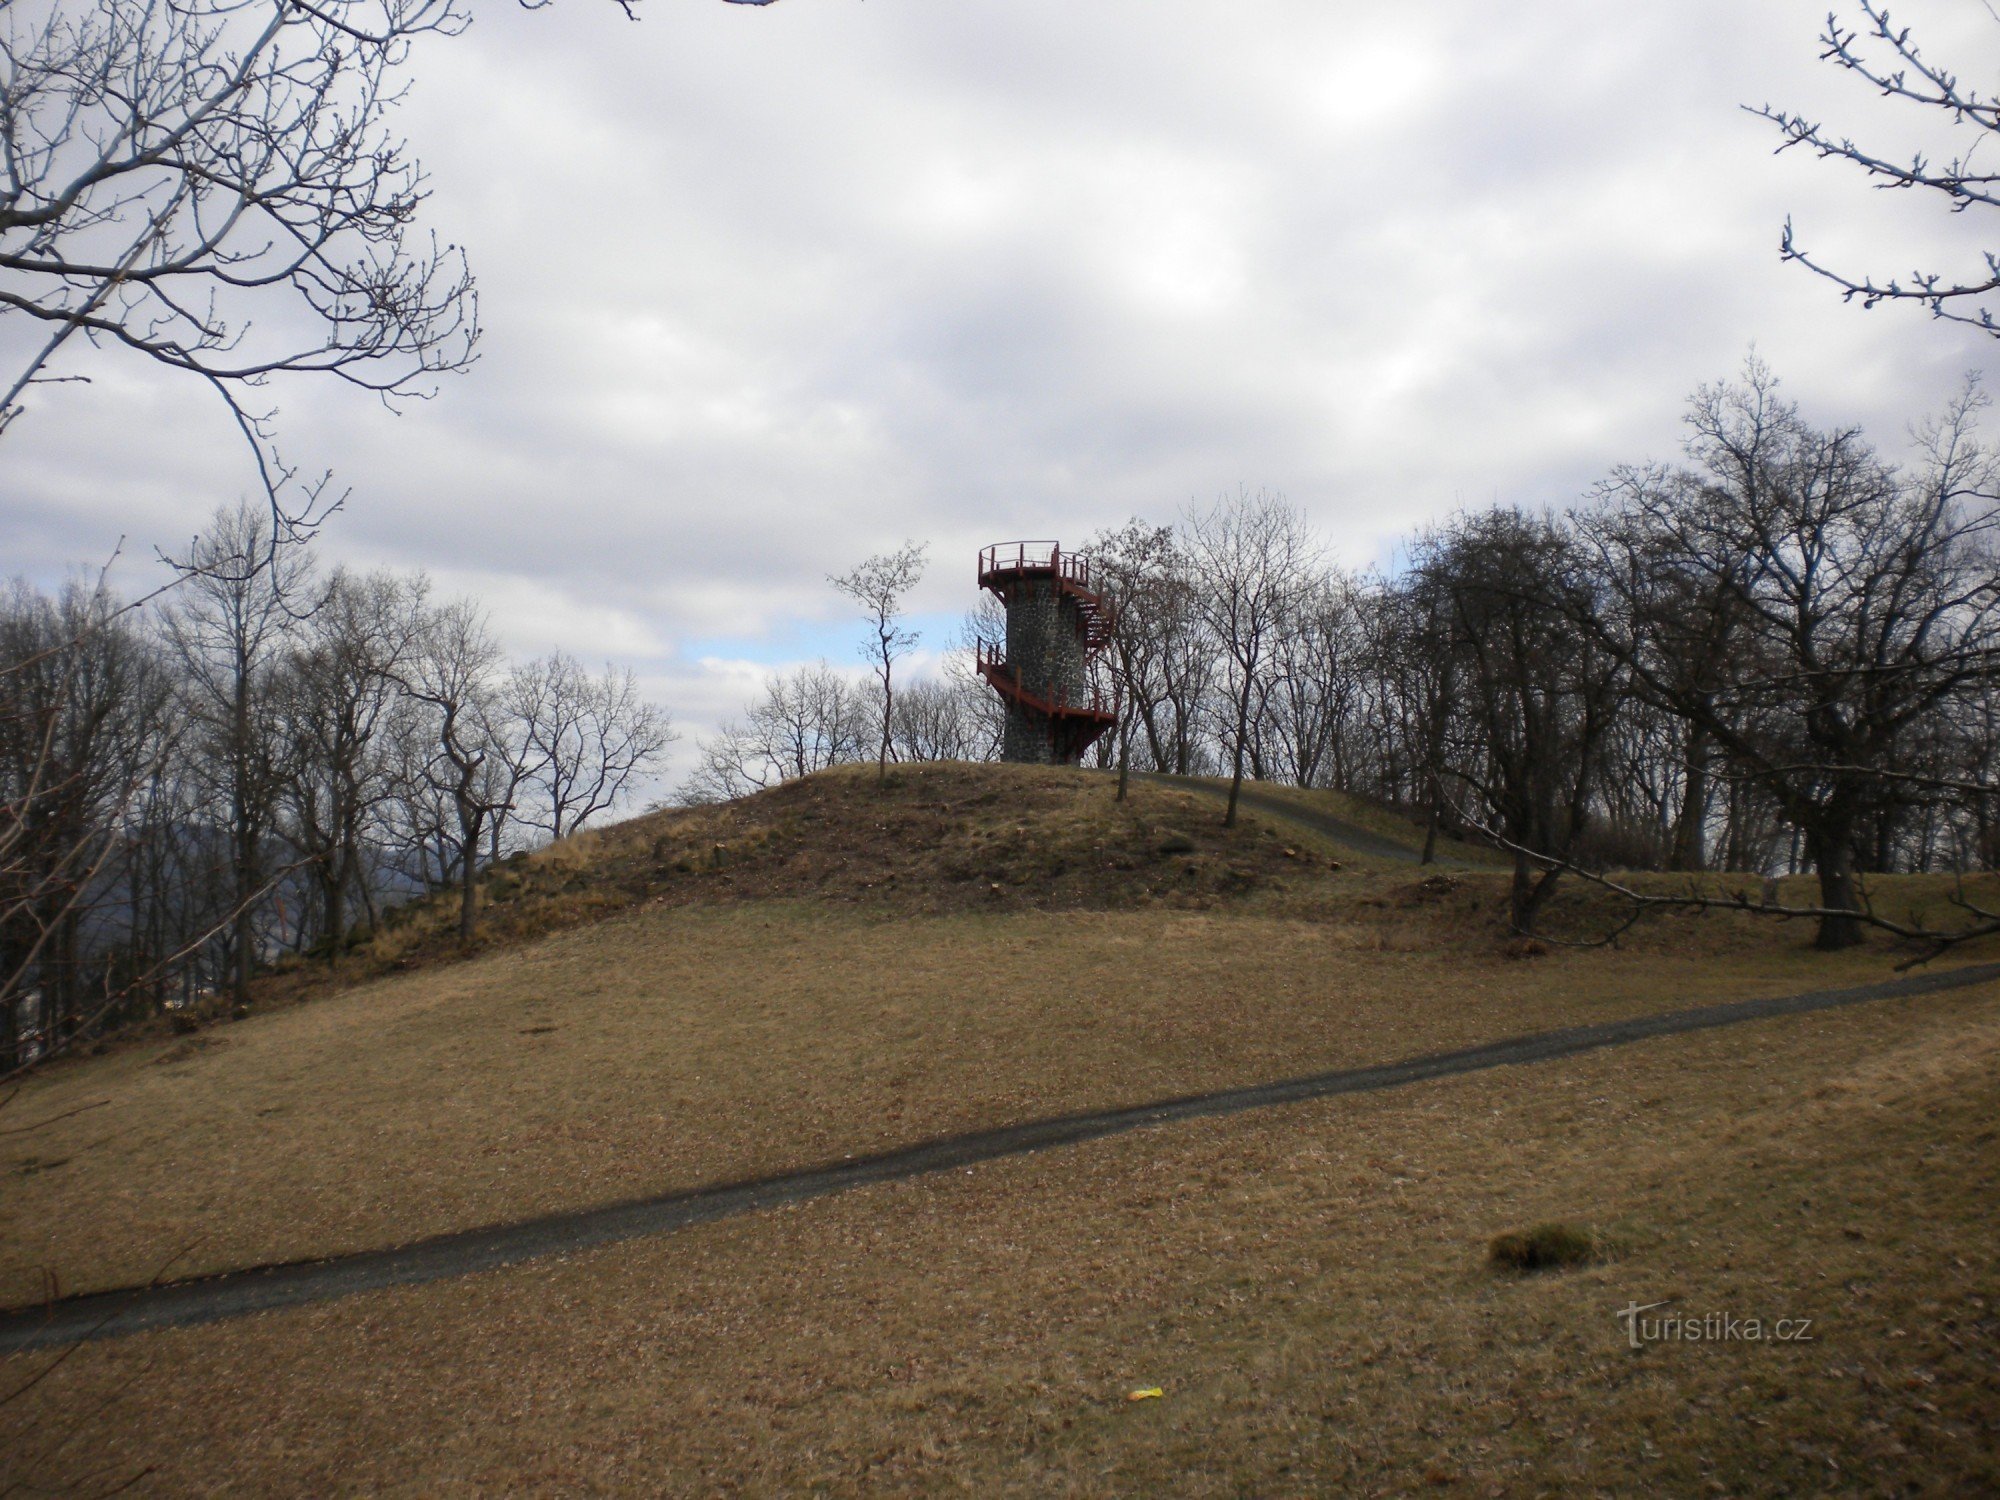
(1034, 557)
(992, 663)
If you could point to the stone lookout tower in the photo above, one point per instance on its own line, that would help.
(1056, 622)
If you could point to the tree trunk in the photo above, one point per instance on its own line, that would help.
(1242, 733)
(1832, 851)
(1690, 833)
(1520, 894)
(1529, 893)
(888, 708)
(245, 956)
(468, 878)
(244, 828)
(336, 912)
(1160, 757)
(1434, 796)
(1885, 841)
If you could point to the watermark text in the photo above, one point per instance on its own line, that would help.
(1651, 1323)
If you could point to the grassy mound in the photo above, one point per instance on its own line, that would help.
(935, 838)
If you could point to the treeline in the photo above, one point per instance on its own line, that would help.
(1779, 655)
(813, 717)
(260, 761)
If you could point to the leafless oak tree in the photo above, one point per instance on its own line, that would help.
(1808, 607)
(451, 673)
(229, 625)
(1539, 696)
(337, 701)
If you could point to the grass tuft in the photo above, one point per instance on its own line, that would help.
(1546, 1247)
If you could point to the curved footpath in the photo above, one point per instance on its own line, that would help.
(264, 1288)
(1353, 835)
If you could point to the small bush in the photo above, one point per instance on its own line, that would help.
(1546, 1247)
(1616, 844)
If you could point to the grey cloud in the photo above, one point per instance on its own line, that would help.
(769, 288)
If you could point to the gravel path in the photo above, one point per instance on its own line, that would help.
(264, 1288)
(1352, 835)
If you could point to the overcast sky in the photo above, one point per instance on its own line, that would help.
(769, 289)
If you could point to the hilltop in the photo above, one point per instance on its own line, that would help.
(932, 838)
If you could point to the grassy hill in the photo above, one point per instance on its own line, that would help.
(831, 969)
(934, 838)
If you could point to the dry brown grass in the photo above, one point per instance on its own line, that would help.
(674, 1046)
(1308, 1286)
(940, 837)
(1376, 817)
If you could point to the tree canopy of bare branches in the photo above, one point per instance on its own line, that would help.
(215, 187)
(212, 186)
(878, 586)
(1808, 607)
(1887, 58)
(585, 739)
(1252, 559)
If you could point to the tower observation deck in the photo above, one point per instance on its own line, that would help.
(1057, 620)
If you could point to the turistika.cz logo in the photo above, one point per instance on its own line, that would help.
(1708, 1328)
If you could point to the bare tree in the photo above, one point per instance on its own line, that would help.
(1252, 560)
(229, 626)
(1539, 695)
(411, 826)
(1862, 602)
(337, 699)
(1319, 682)
(587, 738)
(807, 720)
(1413, 702)
(878, 586)
(452, 674)
(1886, 58)
(210, 185)
(944, 718)
(81, 704)
(983, 711)
(1138, 567)
(1164, 653)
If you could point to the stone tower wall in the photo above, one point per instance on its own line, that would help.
(1045, 651)
(1045, 640)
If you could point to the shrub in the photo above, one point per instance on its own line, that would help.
(1542, 1248)
(1618, 844)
